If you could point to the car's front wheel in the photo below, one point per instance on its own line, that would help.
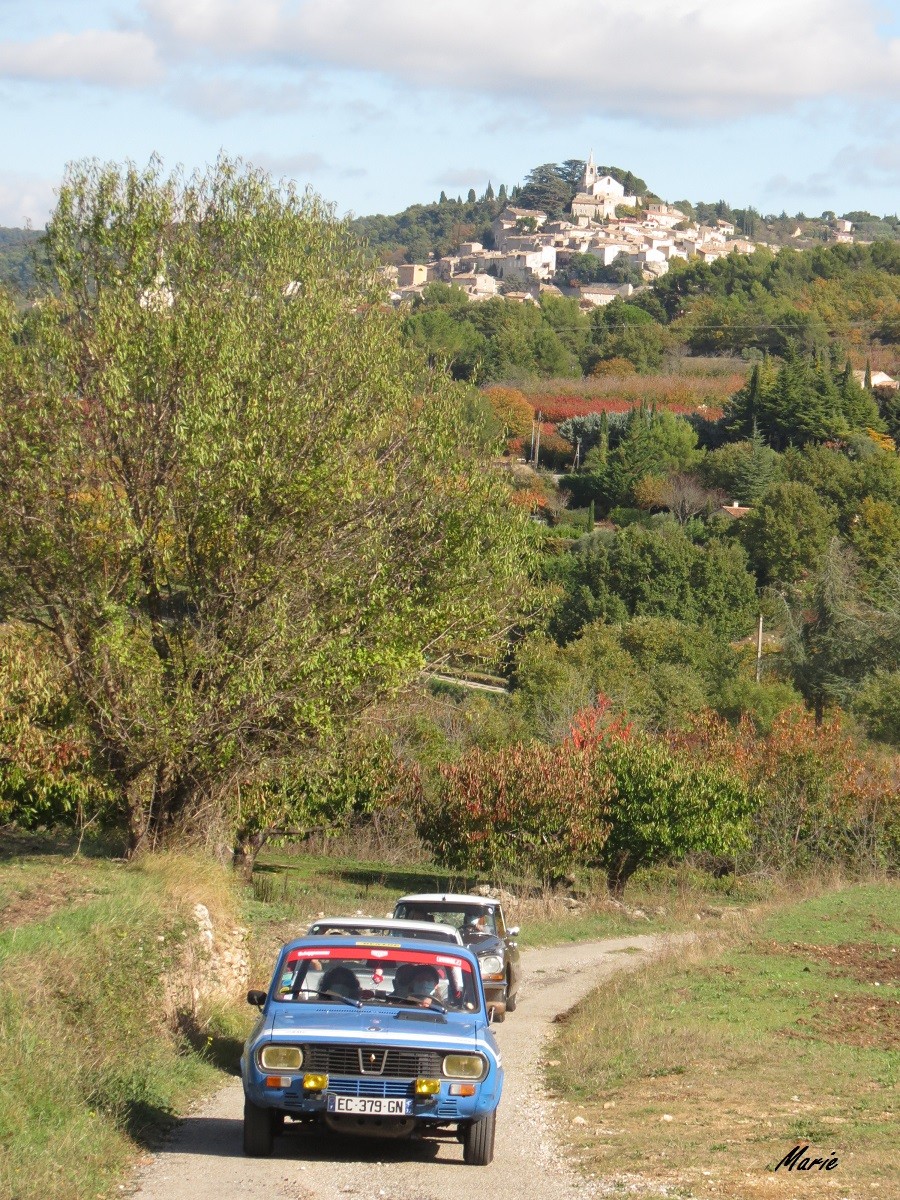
(259, 1130)
(478, 1141)
(511, 998)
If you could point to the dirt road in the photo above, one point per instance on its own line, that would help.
(203, 1159)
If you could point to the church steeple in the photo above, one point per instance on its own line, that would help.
(590, 174)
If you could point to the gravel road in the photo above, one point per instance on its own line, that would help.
(203, 1159)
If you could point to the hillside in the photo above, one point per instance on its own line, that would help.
(17, 247)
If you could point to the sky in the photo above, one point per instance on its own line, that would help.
(376, 104)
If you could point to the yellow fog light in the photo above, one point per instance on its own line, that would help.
(281, 1058)
(427, 1087)
(464, 1066)
(313, 1082)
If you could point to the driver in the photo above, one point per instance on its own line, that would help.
(424, 984)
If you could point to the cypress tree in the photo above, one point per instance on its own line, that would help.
(489, 192)
(867, 382)
(501, 194)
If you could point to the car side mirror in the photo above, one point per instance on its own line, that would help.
(256, 998)
(514, 932)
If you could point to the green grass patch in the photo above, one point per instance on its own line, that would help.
(97, 1061)
(703, 1071)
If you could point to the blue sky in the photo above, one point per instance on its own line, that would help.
(783, 104)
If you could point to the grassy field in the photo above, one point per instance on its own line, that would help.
(696, 1077)
(96, 1060)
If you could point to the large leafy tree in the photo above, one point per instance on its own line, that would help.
(237, 505)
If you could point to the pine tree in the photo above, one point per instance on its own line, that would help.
(757, 471)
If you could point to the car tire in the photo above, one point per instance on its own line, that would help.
(511, 998)
(478, 1143)
(259, 1130)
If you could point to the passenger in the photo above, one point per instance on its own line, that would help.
(340, 981)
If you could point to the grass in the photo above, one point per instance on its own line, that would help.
(290, 889)
(98, 1055)
(697, 1076)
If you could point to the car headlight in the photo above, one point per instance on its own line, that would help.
(464, 1066)
(281, 1058)
(490, 966)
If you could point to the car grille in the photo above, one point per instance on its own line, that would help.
(372, 1061)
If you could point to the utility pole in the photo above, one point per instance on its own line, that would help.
(577, 452)
(759, 633)
(531, 447)
(537, 444)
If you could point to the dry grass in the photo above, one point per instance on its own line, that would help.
(694, 1077)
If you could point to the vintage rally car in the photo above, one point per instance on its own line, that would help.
(366, 927)
(373, 1036)
(480, 922)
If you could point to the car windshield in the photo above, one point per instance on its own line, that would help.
(358, 975)
(470, 920)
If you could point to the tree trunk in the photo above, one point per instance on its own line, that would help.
(245, 853)
(619, 872)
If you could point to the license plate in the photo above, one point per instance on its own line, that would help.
(370, 1105)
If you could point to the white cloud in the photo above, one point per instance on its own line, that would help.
(222, 96)
(657, 59)
(25, 198)
(98, 56)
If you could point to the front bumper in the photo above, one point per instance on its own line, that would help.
(439, 1109)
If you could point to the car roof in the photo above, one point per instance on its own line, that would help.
(416, 945)
(448, 898)
(388, 925)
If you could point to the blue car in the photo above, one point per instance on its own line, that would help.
(376, 1037)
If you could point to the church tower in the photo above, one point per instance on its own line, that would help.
(590, 175)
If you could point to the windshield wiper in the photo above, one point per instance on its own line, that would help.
(330, 995)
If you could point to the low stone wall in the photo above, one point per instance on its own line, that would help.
(212, 967)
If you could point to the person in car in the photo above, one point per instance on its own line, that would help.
(339, 981)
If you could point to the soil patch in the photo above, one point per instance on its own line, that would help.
(866, 962)
(56, 890)
(869, 1022)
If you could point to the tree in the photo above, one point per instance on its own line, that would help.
(236, 504)
(838, 636)
(665, 805)
(786, 533)
(546, 189)
(757, 471)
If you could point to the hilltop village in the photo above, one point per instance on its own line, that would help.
(531, 253)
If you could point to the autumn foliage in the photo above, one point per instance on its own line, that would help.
(605, 796)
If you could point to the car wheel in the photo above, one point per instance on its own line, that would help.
(511, 1000)
(478, 1143)
(259, 1130)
